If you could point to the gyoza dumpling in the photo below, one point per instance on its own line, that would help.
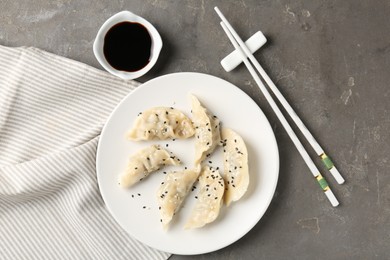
(209, 198)
(236, 173)
(144, 162)
(172, 192)
(161, 123)
(207, 131)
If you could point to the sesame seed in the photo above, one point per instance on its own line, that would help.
(185, 168)
(196, 197)
(164, 172)
(159, 208)
(144, 207)
(216, 198)
(156, 115)
(162, 183)
(160, 220)
(210, 161)
(147, 158)
(166, 145)
(173, 139)
(217, 168)
(138, 194)
(166, 112)
(165, 122)
(132, 195)
(135, 168)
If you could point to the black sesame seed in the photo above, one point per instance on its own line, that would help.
(144, 207)
(208, 195)
(132, 195)
(210, 161)
(185, 168)
(166, 145)
(216, 198)
(164, 172)
(217, 168)
(160, 220)
(233, 186)
(235, 140)
(162, 183)
(156, 115)
(166, 112)
(173, 139)
(196, 197)
(135, 168)
(207, 124)
(208, 143)
(138, 194)
(159, 208)
(209, 129)
(147, 158)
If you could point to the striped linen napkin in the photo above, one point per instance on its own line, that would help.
(52, 111)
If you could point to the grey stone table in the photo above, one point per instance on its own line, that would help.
(331, 60)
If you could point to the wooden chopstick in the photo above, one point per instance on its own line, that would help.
(322, 182)
(317, 148)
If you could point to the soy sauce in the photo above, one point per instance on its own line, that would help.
(127, 46)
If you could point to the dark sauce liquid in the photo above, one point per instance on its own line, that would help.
(127, 46)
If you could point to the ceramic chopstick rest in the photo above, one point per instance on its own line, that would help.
(231, 61)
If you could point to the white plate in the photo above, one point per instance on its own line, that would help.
(235, 110)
